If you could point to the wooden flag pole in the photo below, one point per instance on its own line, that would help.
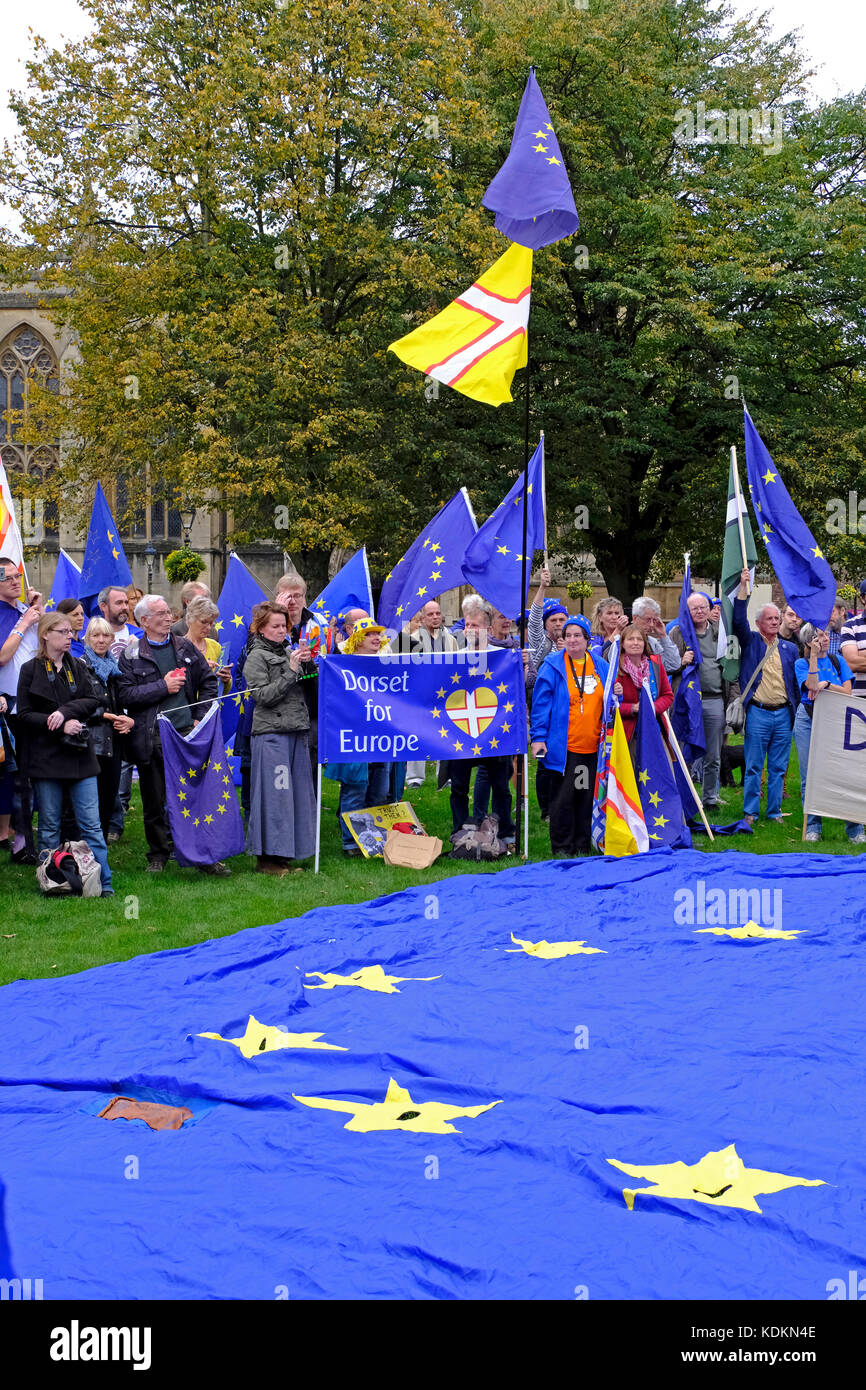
(526, 805)
(740, 514)
(682, 762)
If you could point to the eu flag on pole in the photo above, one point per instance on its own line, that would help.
(237, 598)
(686, 714)
(203, 810)
(657, 788)
(104, 559)
(350, 588)
(609, 708)
(798, 561)
(531, 195)
(431, 565)
(66, 582)
(494, 558)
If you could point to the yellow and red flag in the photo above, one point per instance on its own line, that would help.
(11, 545)
(625, 829)
(477, 343)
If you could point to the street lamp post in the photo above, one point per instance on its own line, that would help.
(187, 517)
(150, 556)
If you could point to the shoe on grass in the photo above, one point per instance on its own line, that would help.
(750, 820)
(813, 836)
(218, 870)
(156, 866)
(352, 852)
(858, 839)
(112, 837)
(107, 893)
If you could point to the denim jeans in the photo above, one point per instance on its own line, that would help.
(84, 796)
(356, 796)
(803, 738)
(768, 737)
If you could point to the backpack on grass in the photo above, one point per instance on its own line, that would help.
(70, 869)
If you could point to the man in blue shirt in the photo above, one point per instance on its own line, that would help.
(770, 702)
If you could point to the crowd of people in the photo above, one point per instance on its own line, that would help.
(80, 701)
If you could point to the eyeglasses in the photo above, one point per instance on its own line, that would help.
(63, 631)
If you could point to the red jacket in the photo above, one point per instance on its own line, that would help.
(631, 695)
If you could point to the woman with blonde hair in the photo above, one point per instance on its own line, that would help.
(201, 614)
(607, 622)
(55, 701)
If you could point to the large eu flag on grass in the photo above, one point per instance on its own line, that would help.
(200, 798)
(494, 559)
(798, 561)
(437, 705)
(432, 564)
(569, 1079)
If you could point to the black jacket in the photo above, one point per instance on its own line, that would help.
(43, 752)
(141, 690)
(105, 741)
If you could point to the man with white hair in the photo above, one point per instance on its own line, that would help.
(161, 673)
(712, 689)
(770, 693)
(646, 614)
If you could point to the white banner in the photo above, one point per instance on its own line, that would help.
(836, 780)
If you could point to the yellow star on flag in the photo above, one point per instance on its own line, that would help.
(769, 476)
(502, 689)
(506, 728)
(262, 1037)
(187, 813)
(181, 796)
(196, 821)
(552, 160)
(398, 1111)
(494, 743)
(458, 746)
(435, 713)
(216, 767)
(509, 707)
(441, 694)
(750, 931)
(542, 149)
(553, 950)
(655, 799)
(208, 820)
(818, 553)
(455, 679)
(719, 1179)
(237, 620)
(370, 977)
(222, 810)
(476, 751)
(661, 820)
(444, 733)
(643, 776)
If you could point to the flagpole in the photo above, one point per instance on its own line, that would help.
(526, 805)
(739, 496)
(521, 782)
(682, 762)
(318, 816)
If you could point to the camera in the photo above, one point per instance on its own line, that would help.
(79, 741)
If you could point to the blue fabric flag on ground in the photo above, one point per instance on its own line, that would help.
(431, 565)
(202, 806)
(66, 582)
(104, 558)
(656, 784)
(462, 704)
(494, 559)
(799, 564)
(531, 195)
(544, 1089)
(238, 597)
(350, 588)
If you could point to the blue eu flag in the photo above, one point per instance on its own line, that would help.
(350, 588)
(494, 560)
(657, 788)
(104, 560)
(66, 582)
(431, 565)
(531, 195)
(686, 714)
(200, 798)
(798, 561)
(238, 597)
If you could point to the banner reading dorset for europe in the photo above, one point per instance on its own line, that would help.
(431, 705)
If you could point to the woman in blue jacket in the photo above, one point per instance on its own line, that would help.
(567, 711)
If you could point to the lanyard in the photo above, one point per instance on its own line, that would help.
(579, 683)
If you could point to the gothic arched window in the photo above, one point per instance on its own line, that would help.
(25, 357)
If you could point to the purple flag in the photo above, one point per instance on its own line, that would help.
(531, 195)
(200, 798)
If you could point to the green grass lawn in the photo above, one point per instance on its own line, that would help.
(46, 936)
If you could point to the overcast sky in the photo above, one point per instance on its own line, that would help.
(834, 35)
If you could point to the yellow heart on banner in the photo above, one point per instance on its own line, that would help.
(472, 710)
